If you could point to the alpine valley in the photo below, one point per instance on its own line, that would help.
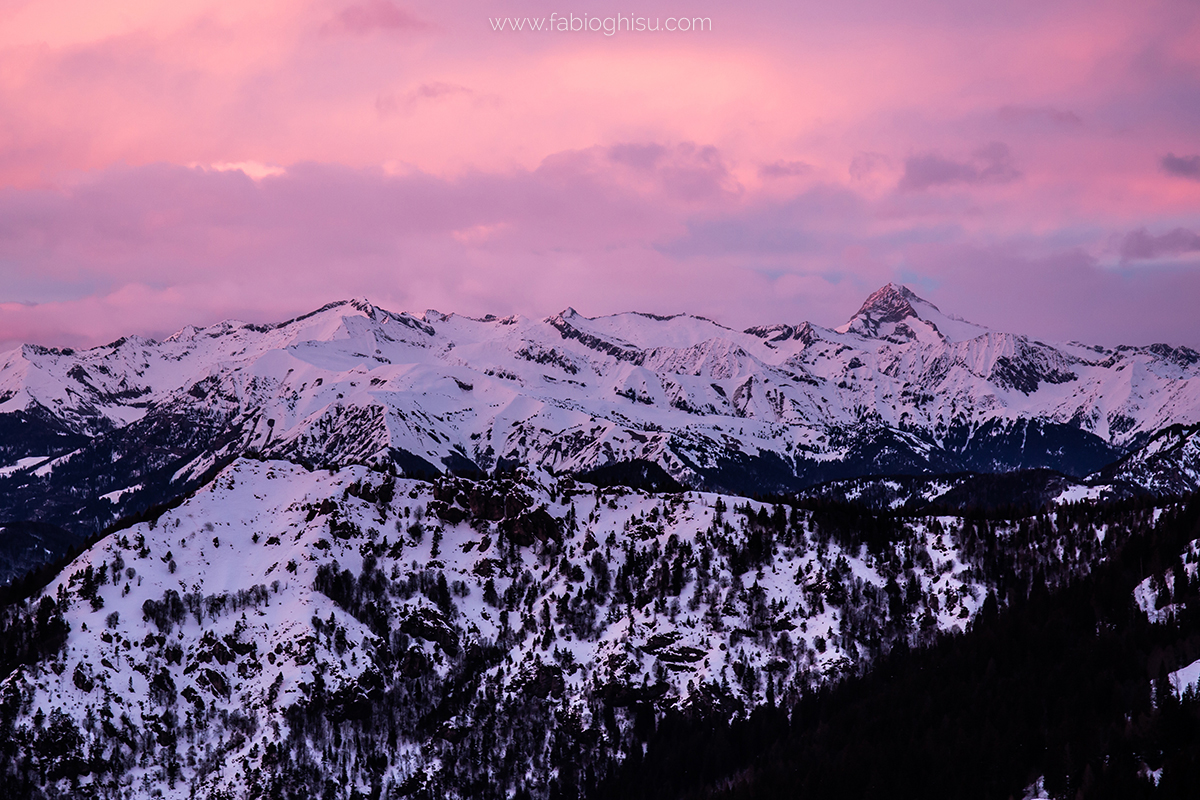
(370, 554)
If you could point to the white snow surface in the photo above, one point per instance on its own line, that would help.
(574, 393)
(1147, 594)
(20, 464)
(258, 524)
(1186, 678)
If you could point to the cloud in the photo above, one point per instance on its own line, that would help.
(373, 15)
(253, 169)
(1140, 245)
(1060, 117)
(389, 103)
(686, 171)
(1182, 166)
(211, 242)
(427, 91)
(784, 169)
(864, 165)
(661, 226)
(638, 156)
(991, 164)
(816, 221)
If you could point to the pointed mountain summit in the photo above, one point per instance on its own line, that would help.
(896, 313)
(891, 303)
(804, 332)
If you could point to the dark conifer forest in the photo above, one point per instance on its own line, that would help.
(514, 637)
(1068, 687)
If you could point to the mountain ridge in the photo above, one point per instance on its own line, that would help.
(901, 388)
(370, 554)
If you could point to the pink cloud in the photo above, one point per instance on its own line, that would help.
(1182, 166)
(374, 15)
(1142, 245)
(1054, 116)
(775, 168)
(605, 229)
(785, 169)
(990, 164)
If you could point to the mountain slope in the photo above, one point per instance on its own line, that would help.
(283, 628)
(231, 642)
(901, 388)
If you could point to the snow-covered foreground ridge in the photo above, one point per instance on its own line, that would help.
(900, 388)
(285, 627)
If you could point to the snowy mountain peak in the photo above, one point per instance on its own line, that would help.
(804, 333)
(372, 311)
(807, 333)
(892, 303)
(889, 313)
(896, 313)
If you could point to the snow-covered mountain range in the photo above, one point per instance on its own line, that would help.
(901, 388)
(369, 554)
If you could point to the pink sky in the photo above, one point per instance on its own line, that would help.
(1032, 166)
